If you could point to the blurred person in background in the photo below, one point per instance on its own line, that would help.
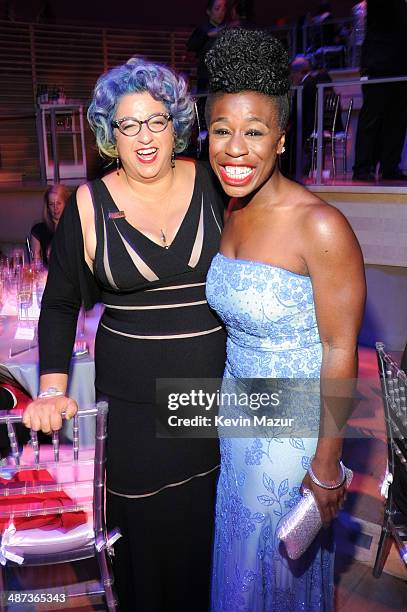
(41, 234)
(322, 32)
(199, 43)
(383, 117)
(203, 38)
(358, 32)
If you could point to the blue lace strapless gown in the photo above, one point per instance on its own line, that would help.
(270, 318)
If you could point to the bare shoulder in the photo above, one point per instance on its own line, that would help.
(83, 197)
(86, 214)
(323, 221)
(326, 230)
(84, 203)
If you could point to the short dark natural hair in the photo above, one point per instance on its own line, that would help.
(250, 60)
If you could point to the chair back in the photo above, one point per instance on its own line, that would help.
(394, 390)
(56, 498)
(348, 116)
(69, 477)
(331, 106)
(99, 470)
(330, 113)
(394, 488)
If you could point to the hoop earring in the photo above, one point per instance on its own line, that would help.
(118, 166)
(173, 159)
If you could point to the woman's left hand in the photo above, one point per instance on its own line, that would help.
(329, 501)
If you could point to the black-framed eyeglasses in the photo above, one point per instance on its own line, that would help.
(129, 126)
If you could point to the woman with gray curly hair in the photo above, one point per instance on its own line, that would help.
(140, 240)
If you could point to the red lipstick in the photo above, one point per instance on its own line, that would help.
(149, 158)
(236, 180)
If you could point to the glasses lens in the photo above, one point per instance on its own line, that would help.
(130, 127)
(157, 123)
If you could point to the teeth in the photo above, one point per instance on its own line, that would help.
(238, 171)
(146, 151)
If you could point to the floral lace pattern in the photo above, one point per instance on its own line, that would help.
(272, 333)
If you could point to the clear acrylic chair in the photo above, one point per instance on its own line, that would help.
(331, 135)
(52, 501)
(394, 392)
(341, 138)
(330, 113)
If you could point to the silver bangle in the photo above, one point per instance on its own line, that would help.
(50, 392)
(323, 485)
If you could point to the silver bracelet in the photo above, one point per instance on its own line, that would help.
(50, 392)
(323, 485)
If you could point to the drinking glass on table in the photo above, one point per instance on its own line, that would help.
(4, 269)
(17, 260)
(81, 346)
(4, 266)
(24, 292)
(40, 280)
(37, 264)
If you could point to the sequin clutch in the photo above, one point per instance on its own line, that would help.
(301, 525)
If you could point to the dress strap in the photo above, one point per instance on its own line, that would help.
(213, 194)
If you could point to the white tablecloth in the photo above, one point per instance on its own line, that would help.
(24, 366)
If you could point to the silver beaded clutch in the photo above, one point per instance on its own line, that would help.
(301, 525)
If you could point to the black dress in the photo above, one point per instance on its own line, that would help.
(156, 323)
(43, 234)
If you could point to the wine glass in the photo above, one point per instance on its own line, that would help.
(17, 260)
(24, 292)
(40, 282)
(81, 346)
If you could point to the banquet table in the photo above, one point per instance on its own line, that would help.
(24, 368)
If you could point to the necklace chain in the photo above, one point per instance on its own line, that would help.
(163, 237)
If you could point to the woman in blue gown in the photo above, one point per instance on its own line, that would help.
(289, 285)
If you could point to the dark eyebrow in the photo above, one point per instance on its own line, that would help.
(258, 119)
(219, 119)
(250, 119)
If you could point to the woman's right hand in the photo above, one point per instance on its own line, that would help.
(329, 501)
(44, 414)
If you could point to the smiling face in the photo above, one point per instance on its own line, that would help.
(147, 155)
(244, 141)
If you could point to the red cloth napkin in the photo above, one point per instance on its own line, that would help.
(19, 397)
(51, 499)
